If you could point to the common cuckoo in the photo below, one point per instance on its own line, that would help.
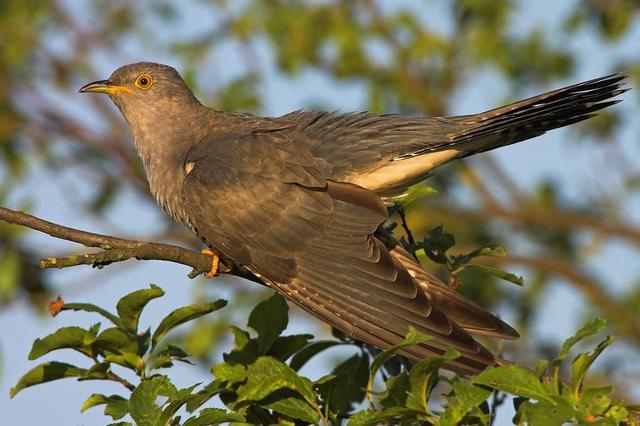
(299, 199)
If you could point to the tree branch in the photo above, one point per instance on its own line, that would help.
(117, 249)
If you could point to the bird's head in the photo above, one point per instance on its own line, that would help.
(144, 88)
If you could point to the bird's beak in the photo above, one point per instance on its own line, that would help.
(103, 86)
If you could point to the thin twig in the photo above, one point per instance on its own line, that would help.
(114, 377)
(116, 249)
(407, 230)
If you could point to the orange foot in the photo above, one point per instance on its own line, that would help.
(215, 263)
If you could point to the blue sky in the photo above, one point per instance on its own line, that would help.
(550, 157)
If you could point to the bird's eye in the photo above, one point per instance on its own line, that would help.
(144, 81)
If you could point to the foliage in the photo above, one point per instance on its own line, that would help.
(406, 57)
(259, 380)
(437, 244)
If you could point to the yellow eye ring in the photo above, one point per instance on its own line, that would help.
(144, 81)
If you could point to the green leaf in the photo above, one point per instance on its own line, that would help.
(373, 418)
(64, 338)
(94, 329)
(540, 368)
(163, 361)
(364, 418)
(182, 315)
(130, 306)
(324, 379)
(544, 413)
(97, 372)
(415, 192)
(240, 337)
(513, 379)
(396, 392)
(466, 398)
(349, 385)
(89, 307)
(94, 400)
(176, 400)
(285, 346)
(437, 243)
(309, 351)
(618, 413)
(245, 350)
(120, 424)
(115, 405)
(165, 357)
(582, 363)
(127, 360)
(142, 404)
(595, 401)
(413, 337)
(117, 341)
(269, 318)
(144, 341)
(460, 262)
(423, 377)
(232, 373)
(497, 272)
(490, 250)
(213, 416)
(202, 396)
(46, 372)
(295, 408)
(590, 328)
(268, 375)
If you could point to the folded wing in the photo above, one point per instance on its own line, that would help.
(265, 202)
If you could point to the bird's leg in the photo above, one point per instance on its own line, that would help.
(215, 262)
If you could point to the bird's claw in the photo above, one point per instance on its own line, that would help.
(215, 263)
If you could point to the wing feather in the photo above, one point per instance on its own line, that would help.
(263, 201)
(463, 311)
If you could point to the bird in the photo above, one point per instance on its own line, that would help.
(300, 199)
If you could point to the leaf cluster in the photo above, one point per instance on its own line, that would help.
(259, 381)
(436, 246)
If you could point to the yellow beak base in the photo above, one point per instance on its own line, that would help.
(104, 86)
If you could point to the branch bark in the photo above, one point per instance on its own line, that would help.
(117, 249)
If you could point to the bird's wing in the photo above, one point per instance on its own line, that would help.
(468, 315)
(254, 198)
(263, 200)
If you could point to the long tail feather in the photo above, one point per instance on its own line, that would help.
(534, 116)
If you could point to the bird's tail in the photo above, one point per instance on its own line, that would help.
(532, 117)
(466, 135)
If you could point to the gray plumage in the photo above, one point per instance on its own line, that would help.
(299, 199)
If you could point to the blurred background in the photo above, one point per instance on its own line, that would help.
(565, 206)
